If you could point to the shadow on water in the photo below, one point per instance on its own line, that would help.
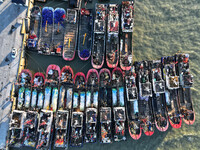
(14, 11)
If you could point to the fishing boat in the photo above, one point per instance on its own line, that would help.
(133, 119)
(105, 104)
(24, 89)
(145, 97)
(66, 88)
(25, 78)
(112, 43)
(186, 82)
(37, 87)
(127, 24)
(78, 108)
(59, 31)
(171, 92)
(158, 100)
(99, 36)
(61, 127)
(91, 105)
(44, 129)
(85, 34)
(30, 125)
(51, 87)
(35, 23)
(118, 104)
(46, 33)
(16, 128)
(71, 31)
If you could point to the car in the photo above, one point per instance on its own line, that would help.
(14, 53)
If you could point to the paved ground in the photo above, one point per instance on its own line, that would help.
(10, 14)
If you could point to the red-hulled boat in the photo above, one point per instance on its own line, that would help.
(25, 78)
(158, 100)
(186, 82)
(37, 88)
(135, 130)
(38, 80)
(127, 24)
(171, 92)
(66, 88)
(112, 43)
(67, 75)
(145, 97)
(92, 92)
(52, 74)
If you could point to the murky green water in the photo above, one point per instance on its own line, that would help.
(162, 27)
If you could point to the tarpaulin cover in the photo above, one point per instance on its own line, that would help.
(47, 15)
(59, 16)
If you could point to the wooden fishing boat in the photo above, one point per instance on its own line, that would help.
(71, 31)
(134, 127)
(159, 103)
(91, 105)
(61, 126)
(46, 33)
(127, 24)
(44, 129)
(51, 87)
(35, 22)
(145, 97)
(105, 106)
(118, 104)
(30, 125)
(112, 42)
(16, 129)
(99, 36)
(24, 89)
(186, 82)
(85, 34)
(171, 92)
(59, 31)
(78, 109)
(37, 87)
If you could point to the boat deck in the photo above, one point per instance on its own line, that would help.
(70, 38)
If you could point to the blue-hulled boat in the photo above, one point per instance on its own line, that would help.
(85, 34)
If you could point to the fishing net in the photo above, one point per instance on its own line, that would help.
(85, 53)
(47, 16)
(59, 16)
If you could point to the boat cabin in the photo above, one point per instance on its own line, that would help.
(77, 119)
(119, 114)
(172, 81)
(17, 119)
